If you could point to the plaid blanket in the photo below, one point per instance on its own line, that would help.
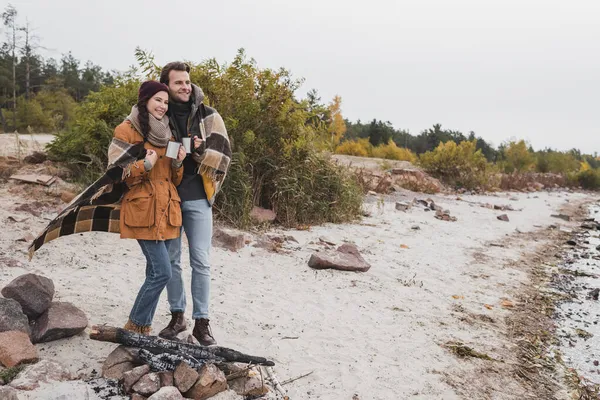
(98, 207)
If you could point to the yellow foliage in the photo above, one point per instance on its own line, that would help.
(584, 166)
(337, 126)
(462, 165)
(354, 148)
(517, 157)
(392, 152)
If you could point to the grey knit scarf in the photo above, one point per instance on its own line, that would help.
(160, 133)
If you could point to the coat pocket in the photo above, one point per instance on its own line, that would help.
(175, 218)
(138, 210)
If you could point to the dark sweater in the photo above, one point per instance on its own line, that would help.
(191, 187)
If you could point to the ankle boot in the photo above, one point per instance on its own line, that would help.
(176, 326)
(133, 327)
(203, 333)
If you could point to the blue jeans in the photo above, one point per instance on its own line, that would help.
(197, 224)
(158, 274)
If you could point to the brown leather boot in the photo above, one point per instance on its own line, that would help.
(203, 333)
(176, 326)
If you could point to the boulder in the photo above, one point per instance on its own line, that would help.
(43, 372)
(61, 320)
(262, 215)
(345, 258)
(148, 384)
(12, 317)
(33, 292)
(403, 206)
(16, 348)
(250, 386)
(166, 378)
(130, 378)
(167, 393)
(137, 396)
(121, 360)
(211, 381)
(8, 393)
(184, 377)
(229, 239)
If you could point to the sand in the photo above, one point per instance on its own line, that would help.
(376, 335)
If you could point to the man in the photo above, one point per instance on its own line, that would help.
(203, 174)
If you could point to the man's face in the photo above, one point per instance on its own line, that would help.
(180, 87)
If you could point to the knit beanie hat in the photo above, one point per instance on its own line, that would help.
(150, 88)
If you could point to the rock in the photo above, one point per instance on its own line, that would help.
(8, 393)
(503, 217)
(67, 196)
(345, 258)
(37, 157)
(130, 378)
(12, 317)
(598, 247)
(42, 372)
(167, 393)
(166, 378)
(326, 240)
(372, 193)
(402, 206)
(262, 215)
(444, 215)
(61, 320)
(561, 216)
(16, 349)
(229, 239)
(121, 360)
(571, 242)
(33, 292)
(589, 225)
(252, 385)
(211, 381)
(184, 377)
(415, 227)
(594, 294)
(137, 396)
(148, 384)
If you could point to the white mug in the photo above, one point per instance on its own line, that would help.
(187, 143)
(173, 149)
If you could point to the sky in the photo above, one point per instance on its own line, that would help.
(526, 69)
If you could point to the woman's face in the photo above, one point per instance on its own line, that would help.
(158, 104)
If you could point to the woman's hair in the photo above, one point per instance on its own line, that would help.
(144, 118)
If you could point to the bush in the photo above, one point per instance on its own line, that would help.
(84, 144)
(517, 157)
(589, 179)
(459, 165)
(556, 162)
(358, 148)
(392, 152)
(275, 163)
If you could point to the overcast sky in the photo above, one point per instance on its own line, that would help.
(502, 68)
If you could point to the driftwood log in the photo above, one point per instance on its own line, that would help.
(168, 361)
(159, 346)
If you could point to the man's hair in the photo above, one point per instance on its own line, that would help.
(172, 66)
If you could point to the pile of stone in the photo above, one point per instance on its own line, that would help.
(28, 315)
(140, 382)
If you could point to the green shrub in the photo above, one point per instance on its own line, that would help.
(275, 161)
(589, 179)
(84, 144)
(458, 165)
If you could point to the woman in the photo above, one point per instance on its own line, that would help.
(150, 210)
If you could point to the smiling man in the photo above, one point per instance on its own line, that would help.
(203, 174)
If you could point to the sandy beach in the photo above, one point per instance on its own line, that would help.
(374, 335)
